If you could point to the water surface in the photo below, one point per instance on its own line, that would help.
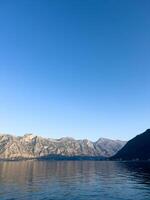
(74, 180)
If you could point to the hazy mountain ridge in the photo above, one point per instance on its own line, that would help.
(30, 146)
(137, 148)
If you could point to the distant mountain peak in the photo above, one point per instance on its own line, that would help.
(66, 138)
(29, 136)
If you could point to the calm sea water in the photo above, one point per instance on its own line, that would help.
(74, 180)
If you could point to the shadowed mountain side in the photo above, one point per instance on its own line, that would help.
(137, 148)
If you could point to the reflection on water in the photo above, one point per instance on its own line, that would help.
(75, 180)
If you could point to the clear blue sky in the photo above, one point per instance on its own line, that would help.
(78, 68)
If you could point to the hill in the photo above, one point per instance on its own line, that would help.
(137, 148)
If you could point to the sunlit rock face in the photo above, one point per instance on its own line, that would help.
(107, 147)
(31, 146)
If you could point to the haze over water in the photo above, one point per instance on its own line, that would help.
(74, 180)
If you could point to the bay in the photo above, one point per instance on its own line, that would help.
(74, 180)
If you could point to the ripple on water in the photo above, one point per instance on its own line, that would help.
(72, 180)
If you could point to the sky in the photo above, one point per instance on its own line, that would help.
(77, 68)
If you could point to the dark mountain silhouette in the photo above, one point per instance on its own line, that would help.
(137, 148)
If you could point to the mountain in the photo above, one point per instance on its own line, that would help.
(137, 148)
(107, 147)
(30, 146)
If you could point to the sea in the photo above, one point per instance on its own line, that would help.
(74, 180)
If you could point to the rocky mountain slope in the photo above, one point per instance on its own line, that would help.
(30, 146)
(137, 148)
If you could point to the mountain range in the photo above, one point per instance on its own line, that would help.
(31, 146)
